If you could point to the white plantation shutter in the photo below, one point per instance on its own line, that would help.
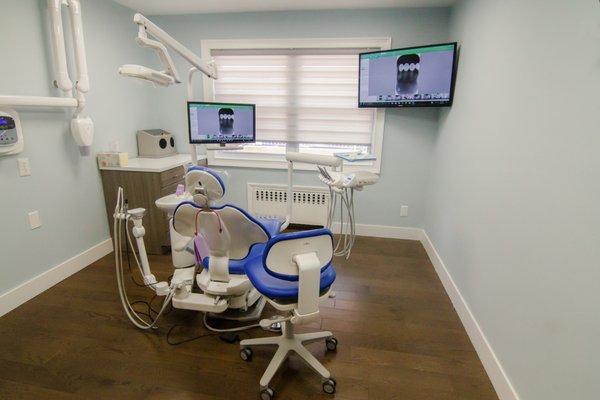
(305, 95)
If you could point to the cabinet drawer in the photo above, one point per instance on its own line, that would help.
(169, 177)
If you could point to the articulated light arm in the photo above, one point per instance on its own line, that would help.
(163, 40)
(169, 41)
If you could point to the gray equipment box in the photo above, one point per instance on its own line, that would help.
(155, 143)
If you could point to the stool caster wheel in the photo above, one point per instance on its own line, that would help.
(331, 343)
(329, 386)
(246, 354)
(267, 394)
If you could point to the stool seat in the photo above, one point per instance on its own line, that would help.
(276, 288)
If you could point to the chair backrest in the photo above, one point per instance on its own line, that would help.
(204, 184)
(228, 230)
(278, 257)
(301, 256)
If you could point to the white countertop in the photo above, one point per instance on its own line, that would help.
(142, 164)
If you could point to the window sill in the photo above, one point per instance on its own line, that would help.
(276, 161)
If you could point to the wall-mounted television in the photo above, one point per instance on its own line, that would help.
(409, 77)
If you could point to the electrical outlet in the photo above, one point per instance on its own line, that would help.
(24, 166)
(34, 220)
(404, 211)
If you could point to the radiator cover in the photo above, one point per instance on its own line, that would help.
(309, 207)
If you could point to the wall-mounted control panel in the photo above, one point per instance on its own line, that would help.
(11, 135)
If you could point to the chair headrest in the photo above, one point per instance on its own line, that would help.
(204, 184)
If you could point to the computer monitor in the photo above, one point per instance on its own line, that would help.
(408, 77)
(221, 123)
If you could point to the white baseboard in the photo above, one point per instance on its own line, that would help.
(498, 377)
(384, 231)
(36, 285)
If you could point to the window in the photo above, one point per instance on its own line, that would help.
(305, 93)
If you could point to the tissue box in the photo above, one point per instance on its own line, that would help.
(112, 160)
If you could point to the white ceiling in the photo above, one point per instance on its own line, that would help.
(160, 7)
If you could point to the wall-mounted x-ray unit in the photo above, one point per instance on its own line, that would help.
(82, 128)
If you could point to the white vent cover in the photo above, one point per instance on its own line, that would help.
(310, 204)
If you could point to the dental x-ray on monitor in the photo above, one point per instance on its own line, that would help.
(408, 77)
(221, 122)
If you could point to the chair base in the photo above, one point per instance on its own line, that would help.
(286, 343)
(251, 314)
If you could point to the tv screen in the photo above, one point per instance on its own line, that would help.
(408, 77)
(221, 122)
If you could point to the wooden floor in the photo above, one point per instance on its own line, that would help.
(399, 338)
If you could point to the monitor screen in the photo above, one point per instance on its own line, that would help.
(221, 122)
(409, 77)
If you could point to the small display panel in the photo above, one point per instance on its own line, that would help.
(221, 122)
(7, 123)
(409, 77)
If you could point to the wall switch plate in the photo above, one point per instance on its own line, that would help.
(24, 166)
(34, 220)
(404, 211)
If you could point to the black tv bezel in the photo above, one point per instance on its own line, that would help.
(383, 105)
(220, 141)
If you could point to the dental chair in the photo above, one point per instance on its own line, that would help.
(293, 273)
(224, 240)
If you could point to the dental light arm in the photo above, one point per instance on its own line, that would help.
(163, 40)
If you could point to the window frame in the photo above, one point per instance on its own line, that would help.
(257, 160)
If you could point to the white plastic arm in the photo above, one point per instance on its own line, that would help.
(58, 46)
(290, 199)
(162, 52)
(83, 81)
(316, 159)
(38, 101)
(309, 279)
(169, 41)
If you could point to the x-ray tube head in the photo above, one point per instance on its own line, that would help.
(407, 74)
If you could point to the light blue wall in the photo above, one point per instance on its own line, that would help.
(514, 193)
(408, 133)
(64, 187)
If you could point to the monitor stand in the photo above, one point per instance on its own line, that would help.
(225, 146)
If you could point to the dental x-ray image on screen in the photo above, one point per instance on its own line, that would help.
(221, 122)
(414, 76)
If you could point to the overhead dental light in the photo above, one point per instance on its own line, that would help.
(147, 74)
(163, 40)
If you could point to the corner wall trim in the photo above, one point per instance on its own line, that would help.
(496, 373)
(42, 282)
